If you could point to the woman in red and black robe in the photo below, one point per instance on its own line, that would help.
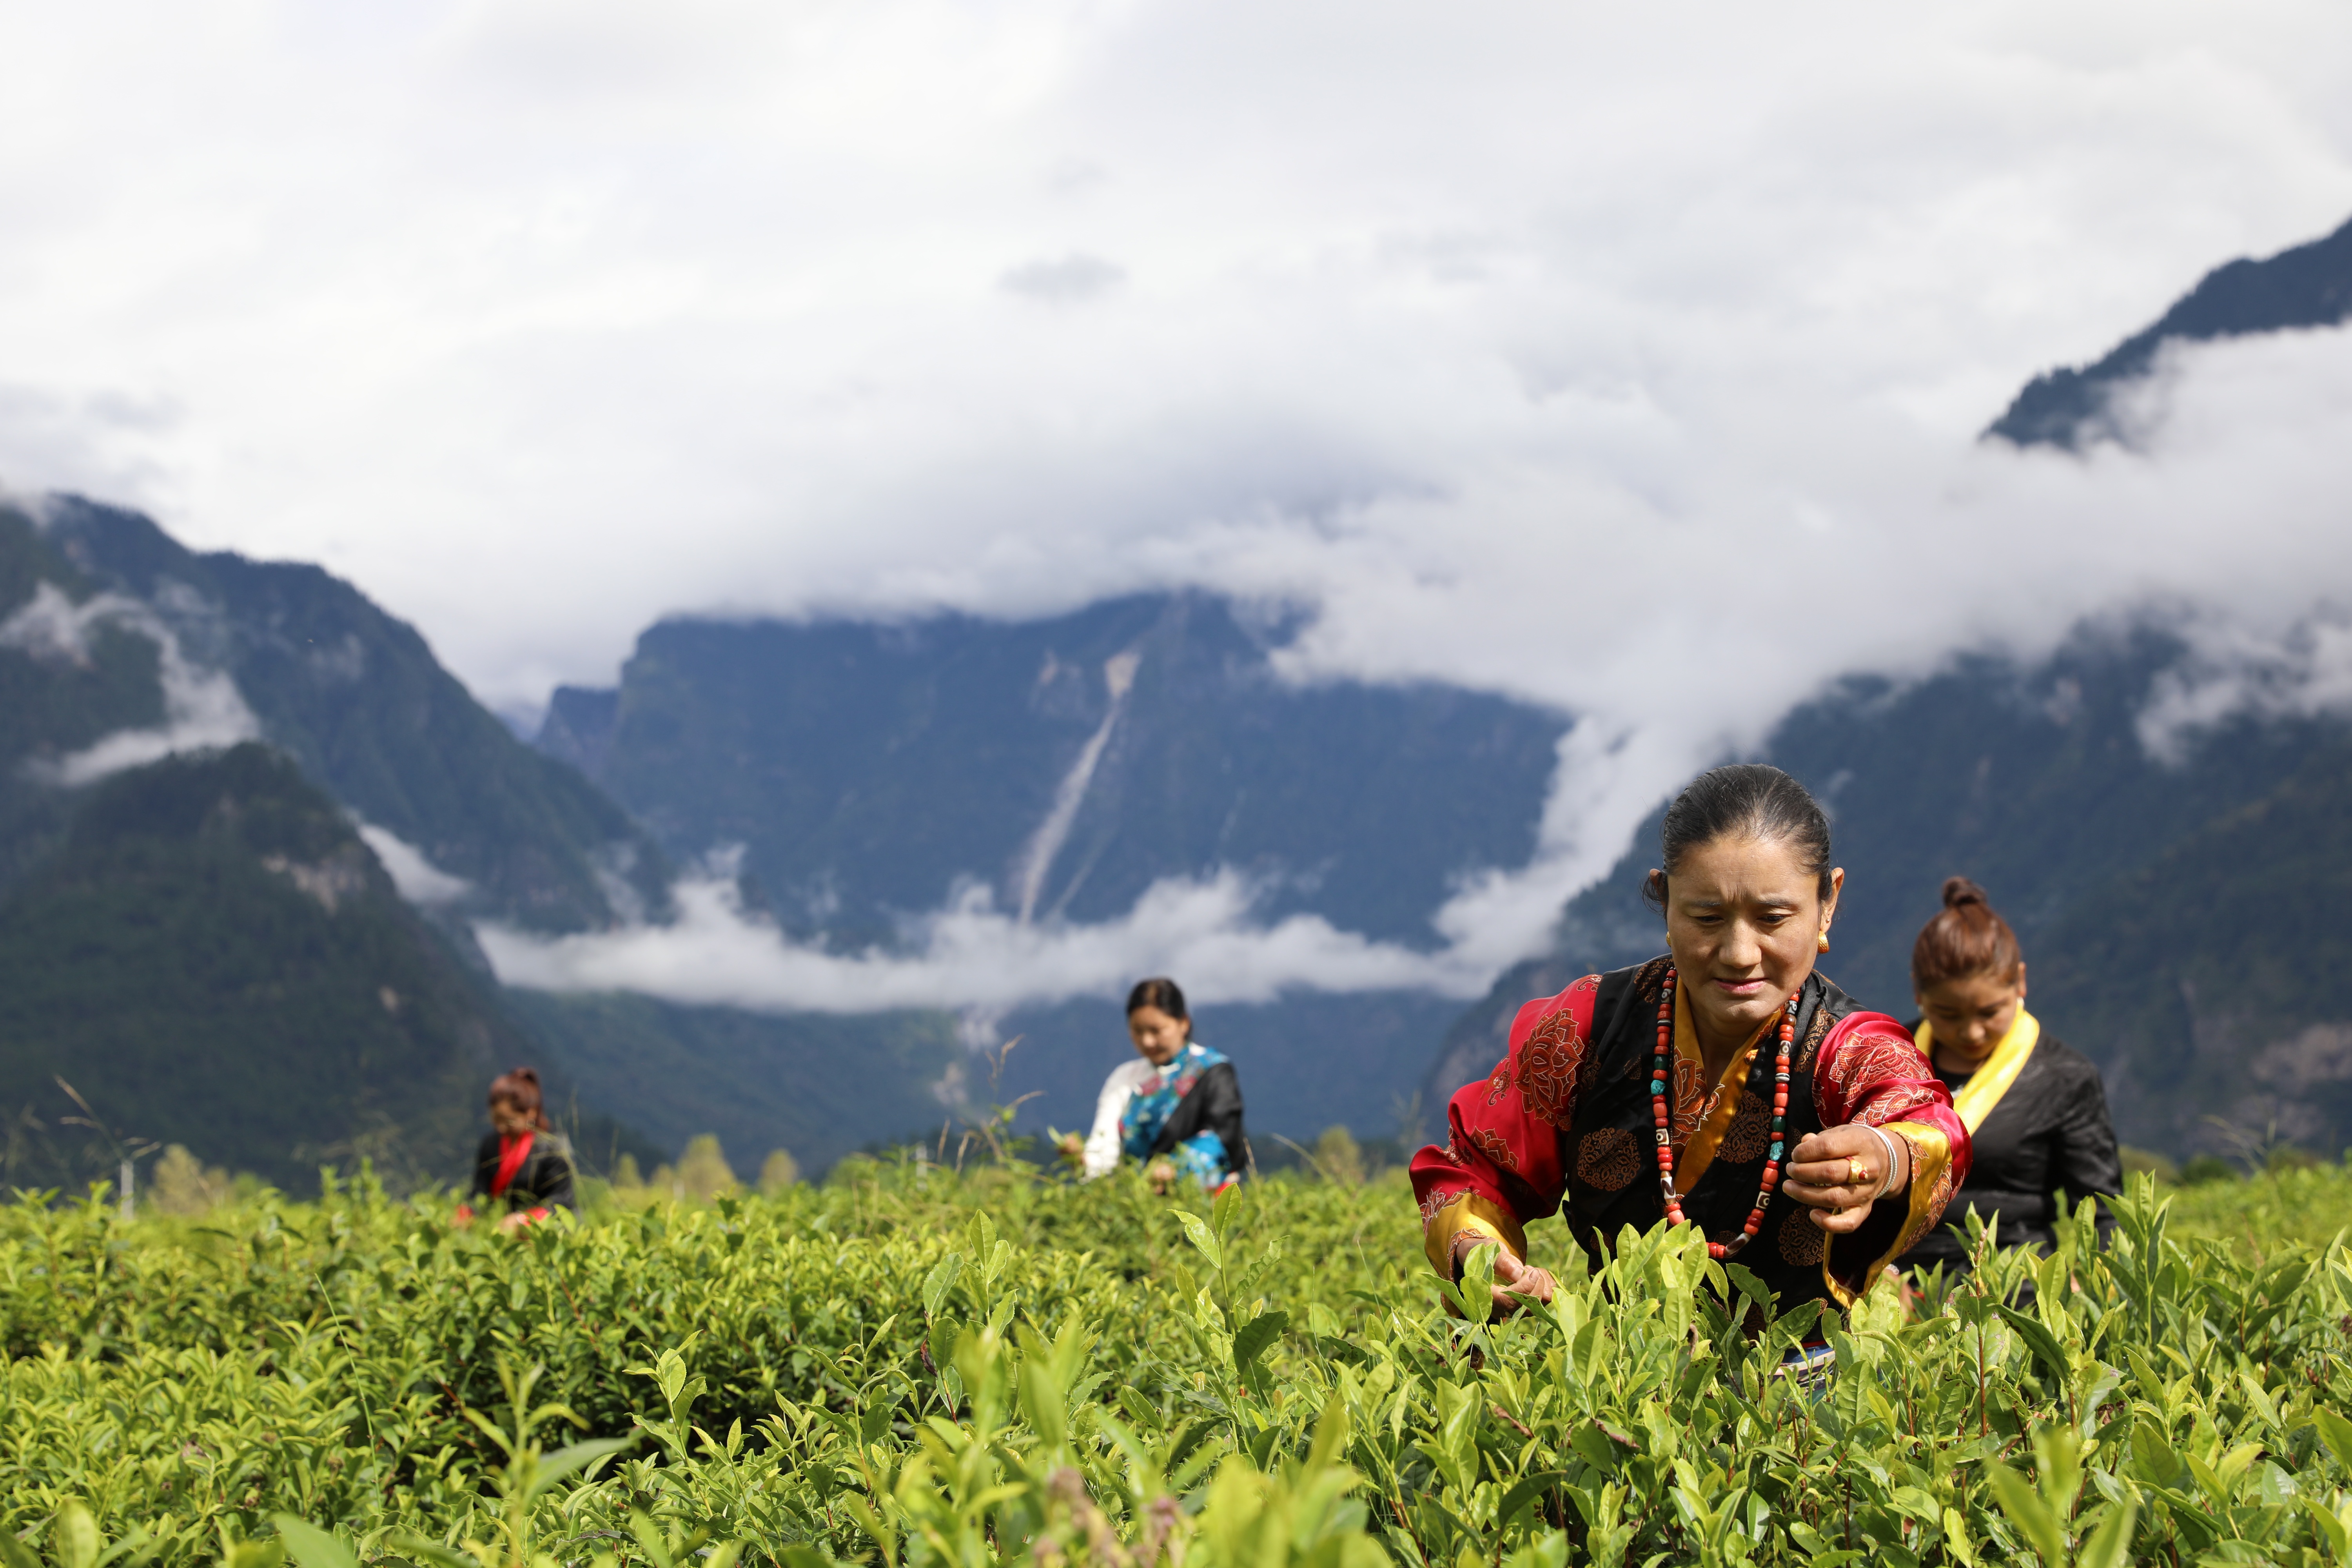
(520, 1165)
(1664, 1079)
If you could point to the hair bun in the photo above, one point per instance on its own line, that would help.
(1960, 890)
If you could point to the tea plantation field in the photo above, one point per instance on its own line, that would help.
(908, 1369)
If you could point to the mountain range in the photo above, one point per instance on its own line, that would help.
(248, 826)
(867, 772)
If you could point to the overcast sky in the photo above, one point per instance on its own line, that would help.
(1627, 359)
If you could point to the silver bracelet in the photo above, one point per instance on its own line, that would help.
(1887, 1140)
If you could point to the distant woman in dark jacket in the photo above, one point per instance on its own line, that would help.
(2034, 1108)
(1178, 1108)
(522, 1164)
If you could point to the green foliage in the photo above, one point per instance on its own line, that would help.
(2307, 1204)
(2205, 1168)
(915, 1369)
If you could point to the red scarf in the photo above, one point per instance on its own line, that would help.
(512, 1152)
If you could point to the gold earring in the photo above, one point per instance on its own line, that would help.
(1825, 942)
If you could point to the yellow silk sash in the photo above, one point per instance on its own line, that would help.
(1990, 1082)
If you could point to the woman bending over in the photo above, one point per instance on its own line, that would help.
(1177, 1110)
(2034, 1110)
(1723, 1084)
(521, 1165)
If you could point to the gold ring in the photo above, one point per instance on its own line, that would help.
(1853, 1171)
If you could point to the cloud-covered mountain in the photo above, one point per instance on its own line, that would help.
(1019, 819)
(2307, 285)
(304, 660)
(202, 941)
(869, 770)
(878, 822)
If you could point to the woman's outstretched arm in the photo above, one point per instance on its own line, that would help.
(1501, 1168)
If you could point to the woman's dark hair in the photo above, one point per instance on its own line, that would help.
(1965, 938)
(1745, 800)
(1158, 991)
(519, 1087)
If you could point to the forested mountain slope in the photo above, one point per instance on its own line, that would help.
(117, 647)
(214, 959)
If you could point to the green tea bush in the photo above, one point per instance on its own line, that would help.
(916, 1370)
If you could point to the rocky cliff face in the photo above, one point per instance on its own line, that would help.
(1067, 763)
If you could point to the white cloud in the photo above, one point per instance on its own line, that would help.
(1067, 280)
(201, 708)
(1629, 361)
(419, 880)
(971, 955)
(2299, 671)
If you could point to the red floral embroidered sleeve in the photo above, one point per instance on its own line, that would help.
(1500, 1166)
(1871, 1072)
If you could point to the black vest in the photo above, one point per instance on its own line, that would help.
(1610, 1152)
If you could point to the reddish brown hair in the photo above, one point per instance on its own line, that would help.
(519, 1087)
(1968, 938)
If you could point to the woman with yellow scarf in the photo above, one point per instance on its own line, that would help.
(2035, 1111)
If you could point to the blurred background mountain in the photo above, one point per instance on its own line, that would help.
(248, 825)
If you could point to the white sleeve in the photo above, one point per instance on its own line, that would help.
(1102, 1144)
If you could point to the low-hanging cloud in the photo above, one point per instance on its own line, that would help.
(201, 708)
(1628, 362)
(416, 878)
(2298, 671)
(972, 955)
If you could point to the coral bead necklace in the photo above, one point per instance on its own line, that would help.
(1662, 1067)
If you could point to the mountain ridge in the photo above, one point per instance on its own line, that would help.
(2303, 286)
(820, 747)
(358, 698)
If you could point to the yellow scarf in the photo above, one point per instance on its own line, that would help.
(1729, 1088)
(1990, 1082)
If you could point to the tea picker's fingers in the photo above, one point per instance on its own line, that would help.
(1516, 1279)
(1838, 1168)
(1839, 1221)
(1532, 1284)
